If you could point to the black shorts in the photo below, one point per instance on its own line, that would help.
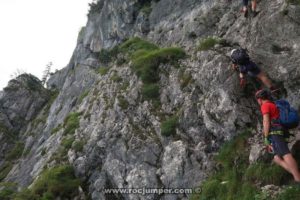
(254, 72)
(280, 147)
(245, 2)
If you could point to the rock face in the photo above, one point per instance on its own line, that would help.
(20, 111)
(117, 142)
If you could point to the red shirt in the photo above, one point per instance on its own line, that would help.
(270, 107)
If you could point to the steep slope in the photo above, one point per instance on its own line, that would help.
(138, 114)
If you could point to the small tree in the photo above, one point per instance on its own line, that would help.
(46, 73)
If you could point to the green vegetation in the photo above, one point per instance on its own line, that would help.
(168, 127)
(32, 83)
(290, 193)
(108, 55)
(78, 145)
(5, 169)
(264, 173)
(125, 85)
(237, 179)
(209, 43)
(83, 95)
(103, 70)
(104, 56)
(294, 2)
(228, 182)
(150, 91)
(10, 135)
(95, 7)
(134, 44)
(60, 156)
(56, 129)
(146, 58)
(67, 142)
(185, 79)
(71, 123)
(146, 9)
(116, 78)
(27, 194)
(44, 151)
(147, 63)
(6, 194)
(123, 103)
(52, 96)
(52, 183)
(7, 190)
(16, 152)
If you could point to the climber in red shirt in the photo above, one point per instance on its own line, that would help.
(274, 134)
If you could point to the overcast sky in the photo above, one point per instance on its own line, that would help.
(36, 32)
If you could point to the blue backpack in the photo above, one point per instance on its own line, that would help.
(288, 116)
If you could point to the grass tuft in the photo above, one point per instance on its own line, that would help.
(168, 127)
(208, 43)
(71, 123)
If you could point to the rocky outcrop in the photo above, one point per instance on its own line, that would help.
(20, 111)
(114, 133)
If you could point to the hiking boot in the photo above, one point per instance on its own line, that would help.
(254, 13)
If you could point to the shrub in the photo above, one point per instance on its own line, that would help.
(168, 127)
(125, 85)
(123, 103)
(103, 70)
(26, 194)
(134, 44)
(265, 174)
(56, 129)
(67, 142)
(60, 155)
(71, 123)
(294, 2)
(234, 150)
(146, 9)
(230, 181)
(150, 91)
(5, 169)
(6, 194)
(95, 7)
(208, 43)
(44, 151)
(78, 146)
(185, 79)
(83, 95)
(116, 78)
(290, 193)
(56, 182)
(104, 56)
(16, 152)
(146, 58)
(33, 83)
(147, 63)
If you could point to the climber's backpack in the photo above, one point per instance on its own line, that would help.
(240, 56)
(288, 116)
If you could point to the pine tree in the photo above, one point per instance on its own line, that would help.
(46, 73)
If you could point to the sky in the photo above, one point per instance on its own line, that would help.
(37, 32)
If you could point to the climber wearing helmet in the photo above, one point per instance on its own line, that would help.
(241, 62)
(274, 134)
(253, 8)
